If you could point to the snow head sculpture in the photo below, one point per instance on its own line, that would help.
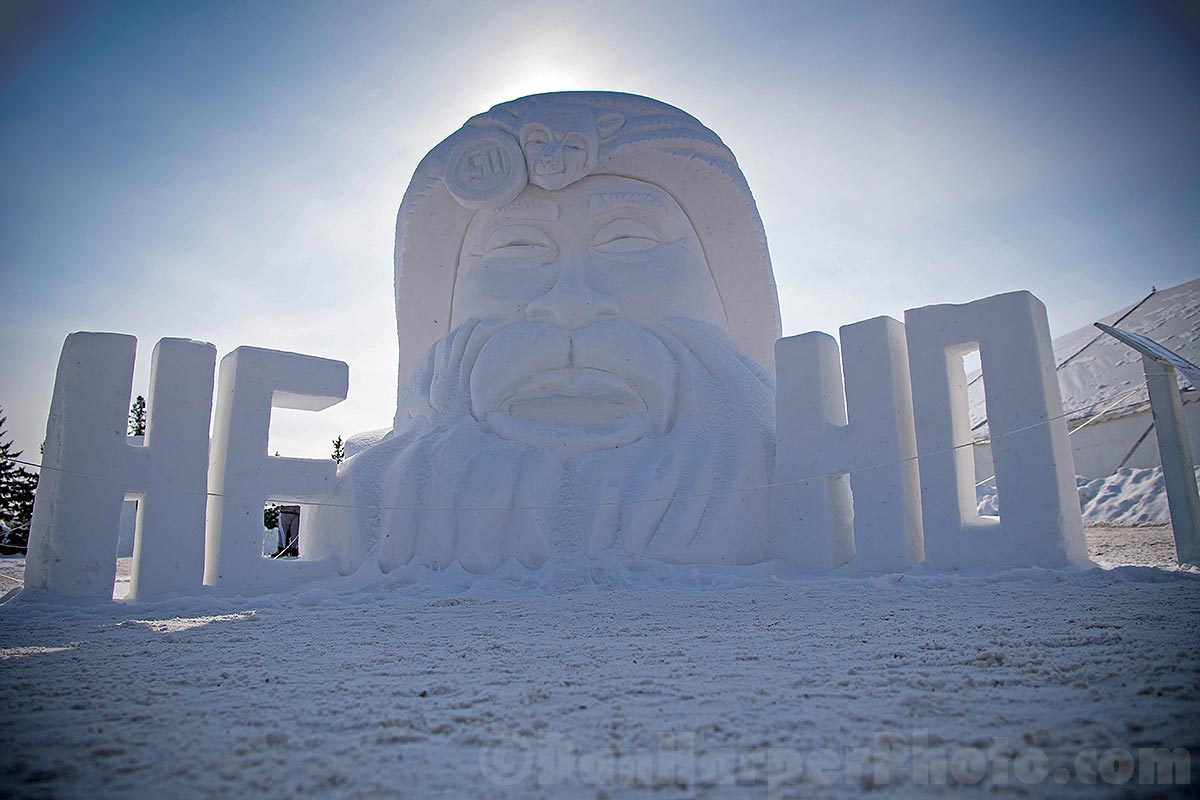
(586, 315)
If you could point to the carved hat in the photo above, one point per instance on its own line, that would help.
(552, 140)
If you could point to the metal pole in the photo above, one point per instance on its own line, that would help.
(1176, 454)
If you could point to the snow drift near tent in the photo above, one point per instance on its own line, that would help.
(1127, 497)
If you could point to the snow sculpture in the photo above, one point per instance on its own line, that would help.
(1039, 523)
(168, 543)
(587, 315)
(881, 528)
(89, 469)
(811, 415)
(241, 476)
(588, 323)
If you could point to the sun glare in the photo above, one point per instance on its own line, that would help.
(554, 65)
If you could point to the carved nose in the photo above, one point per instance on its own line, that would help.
(571, 302)
(551, 160)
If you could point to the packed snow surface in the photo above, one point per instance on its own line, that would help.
(571, 683)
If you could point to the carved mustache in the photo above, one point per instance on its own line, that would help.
(550, 163)
(515, 355)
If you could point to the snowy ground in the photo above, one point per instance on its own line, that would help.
(622, 682)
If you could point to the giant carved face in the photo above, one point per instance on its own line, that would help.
(587, 271)
(598, 379)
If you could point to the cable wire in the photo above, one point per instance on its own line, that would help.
(637, 501)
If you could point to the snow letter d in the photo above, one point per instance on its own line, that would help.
(1039, 522)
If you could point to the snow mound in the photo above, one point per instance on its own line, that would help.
(1127, 497)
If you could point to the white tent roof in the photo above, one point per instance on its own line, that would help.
(1095, 370)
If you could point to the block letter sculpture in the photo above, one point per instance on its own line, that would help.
(1040, 523)
(168, 547)
(881, 445)
(241, 474)
(811, 517)
(812, 521)
(588, 331)
(89, 468)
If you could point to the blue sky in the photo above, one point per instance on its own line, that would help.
(231, 171)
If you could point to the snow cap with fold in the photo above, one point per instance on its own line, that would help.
(552, 140)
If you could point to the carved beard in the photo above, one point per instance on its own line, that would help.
(678, 413)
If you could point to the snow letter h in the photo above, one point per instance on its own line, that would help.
(813, 521)
(89, 468)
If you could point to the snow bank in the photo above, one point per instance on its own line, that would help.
(1127, 497)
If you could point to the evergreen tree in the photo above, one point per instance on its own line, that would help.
(137, 417)
(17, 487)
(339, 450)
(10, 478)
(23, 489)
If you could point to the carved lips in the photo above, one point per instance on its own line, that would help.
(573, 392)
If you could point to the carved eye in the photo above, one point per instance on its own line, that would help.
(575, 143)
(518, 241)
(537, 136)
(625, 236)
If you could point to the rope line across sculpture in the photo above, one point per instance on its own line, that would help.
(590, 362)
(794, 481)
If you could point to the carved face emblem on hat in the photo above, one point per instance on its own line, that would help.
(562, 142)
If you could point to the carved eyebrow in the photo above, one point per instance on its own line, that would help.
(537, 208)
(637, 200)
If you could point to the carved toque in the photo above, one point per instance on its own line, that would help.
(553, 140)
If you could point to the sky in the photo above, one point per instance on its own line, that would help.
(231, 171)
